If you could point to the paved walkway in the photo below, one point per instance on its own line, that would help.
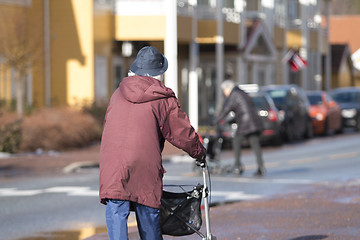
(314, 213)
(319, 212)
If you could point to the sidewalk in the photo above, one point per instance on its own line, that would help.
(317, 212)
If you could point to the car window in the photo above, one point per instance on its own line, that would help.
(278, 97)
(260, 103)
(292, 100)
(346, 97)
(357, 97)
(329, 98)
(315, 99)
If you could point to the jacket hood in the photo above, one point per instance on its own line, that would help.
(140, 89)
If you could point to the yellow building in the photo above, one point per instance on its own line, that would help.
(64, 36)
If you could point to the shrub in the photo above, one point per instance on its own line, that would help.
(10, 137)
(58, 129)
(49, 129)
(98, 111)
(10, 131)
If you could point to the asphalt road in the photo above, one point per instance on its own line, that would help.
(68, 204)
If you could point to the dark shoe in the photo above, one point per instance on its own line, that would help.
(260, 172)
(238, 170)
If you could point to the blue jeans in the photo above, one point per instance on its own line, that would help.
(148, 220)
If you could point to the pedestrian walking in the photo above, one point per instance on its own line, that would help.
(141, 115)
(249, 124)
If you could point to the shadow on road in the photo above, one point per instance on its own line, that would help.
(310, 237)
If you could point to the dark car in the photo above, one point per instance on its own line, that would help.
(294, 109)
(270, 117)
(349, 100)
(325, 113)
(266, 110)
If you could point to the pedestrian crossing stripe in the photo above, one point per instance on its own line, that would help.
(69, 190)
(232, 196)
(88, 192)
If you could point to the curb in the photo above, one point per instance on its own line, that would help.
(5, 155)
(74, 167)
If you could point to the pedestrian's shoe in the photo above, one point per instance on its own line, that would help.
(260, 172)
(238, 170)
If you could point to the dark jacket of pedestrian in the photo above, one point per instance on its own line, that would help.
(246, 116)
(141, 115)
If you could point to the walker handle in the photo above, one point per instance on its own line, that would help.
(201, 162)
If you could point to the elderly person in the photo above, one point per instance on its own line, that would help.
(141, 115)
(248, 122)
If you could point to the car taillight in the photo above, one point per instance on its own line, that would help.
(272, 116)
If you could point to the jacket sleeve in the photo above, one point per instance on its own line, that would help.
(177, 130)
(228, 106)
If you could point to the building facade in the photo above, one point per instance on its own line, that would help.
(87, 47)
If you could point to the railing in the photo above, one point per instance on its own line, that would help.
(207, 11)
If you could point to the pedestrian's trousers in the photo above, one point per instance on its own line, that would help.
(147, 218)
(254, 140)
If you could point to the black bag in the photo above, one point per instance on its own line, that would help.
(181, 212)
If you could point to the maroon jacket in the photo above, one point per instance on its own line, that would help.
(142, 113)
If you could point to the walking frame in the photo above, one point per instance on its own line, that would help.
(181, 211)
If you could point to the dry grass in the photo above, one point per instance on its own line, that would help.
(55, 129)
(7, 117)
(58, 129)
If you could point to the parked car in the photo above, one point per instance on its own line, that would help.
(268, 113)
(325, 113)
(294, 109)
(349, 100)
(270, 117)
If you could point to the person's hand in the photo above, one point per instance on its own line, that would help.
(201, 162)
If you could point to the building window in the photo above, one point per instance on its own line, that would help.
(104, 4)
(254, 5)
(211, 3)
(101, 79)
(280, 12)
(293, 8)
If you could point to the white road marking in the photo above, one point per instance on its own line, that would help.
(13, 192)
(86, 191)
(74, 191)
(69, 190)
(250, 180)
(304, 160)
(65, 189)
(343, 155)
(230, 196)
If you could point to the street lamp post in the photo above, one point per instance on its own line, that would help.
(219, 52)
(193, 76)
(328, 55)
(304, 52)
(171, 77)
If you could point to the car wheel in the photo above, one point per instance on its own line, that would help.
(309, 130)
(290, 132)
(278, 140)
(358, 124)
(326, 127)
(340, 130)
